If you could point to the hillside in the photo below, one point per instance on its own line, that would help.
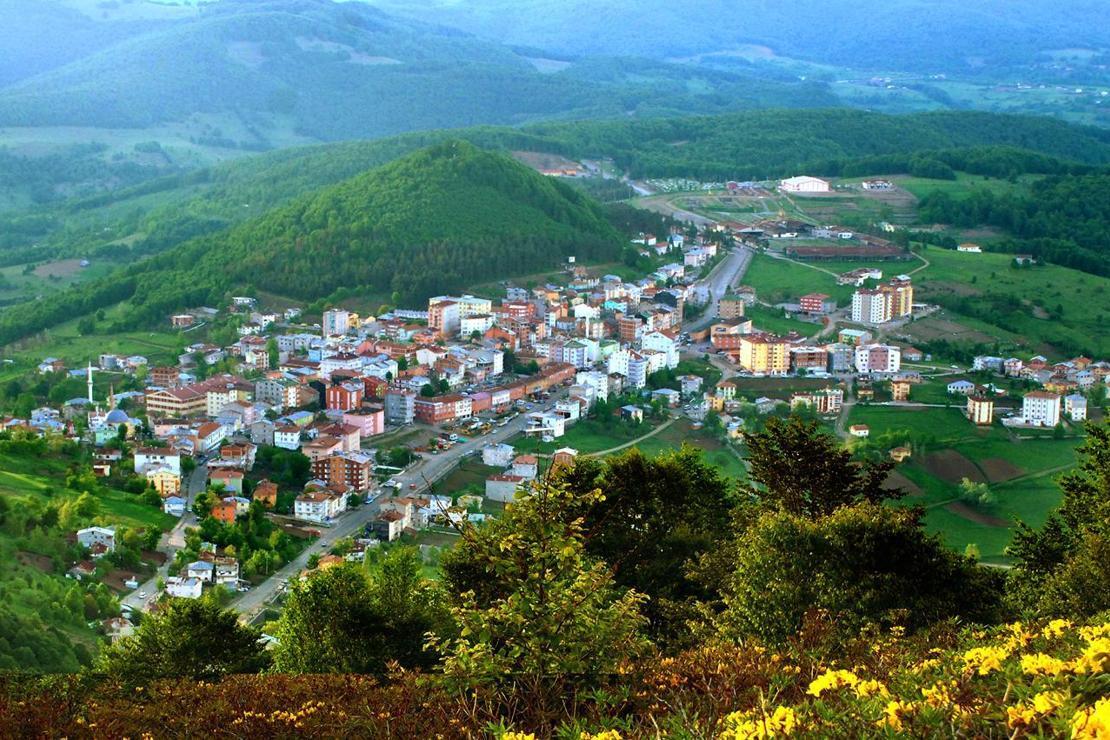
(255, 74)
(919, 35)
(130, 223)
(427, 223)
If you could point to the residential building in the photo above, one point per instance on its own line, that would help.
(731, 307)
(764, 354)
(287, 437)
(871, 306)
(961, 388)
(157, 457)
(980, 410)
(265, 492)
(503, 487)
(816, 303)
(878, 358)
(100, 540)
(1075, 406)
(336, 323)
(497, 456)
(1041, 408)
(353, 470)
(344, 396)
(184, 588)
(319, 506)
(444, 317)
(400, 406)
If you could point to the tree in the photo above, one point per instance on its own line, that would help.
(346, 619)
(863, 564)
(1061, 568)
(187, 639)
(656, 518)
(273, 352)
(799, 469)
(552, 625)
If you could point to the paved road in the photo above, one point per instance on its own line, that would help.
(720, 281)
(423, 475)
(171, 541)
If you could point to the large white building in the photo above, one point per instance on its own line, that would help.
(804, 184)
(871, 307)
(336, 322)
(1075, 406)
(1041, 408)
(658, 341)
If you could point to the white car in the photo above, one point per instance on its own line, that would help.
(142, 594)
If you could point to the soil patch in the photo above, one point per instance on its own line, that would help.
(896, 480)
(59, 269)
(115, 580)
(964, 511)
(952, 467)
(34, 560)
(999, 470)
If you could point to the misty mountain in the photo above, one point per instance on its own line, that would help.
(328, 71)
(911, 35)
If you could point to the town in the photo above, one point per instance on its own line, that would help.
(337, 437)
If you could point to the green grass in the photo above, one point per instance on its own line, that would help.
(1028, 497)
(1080, 299)
(587, 436)
(937, 424)
(778, 281)
(773, 320)
(962, 187)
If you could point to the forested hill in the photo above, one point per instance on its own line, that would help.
(434, 221)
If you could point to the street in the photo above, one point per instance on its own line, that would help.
(719, 282)
(171, 541)
(424, 474)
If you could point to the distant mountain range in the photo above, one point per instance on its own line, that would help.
(235, 71)
(917, 35)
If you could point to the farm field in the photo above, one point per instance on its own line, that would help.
(1050, 305)
(946, 448)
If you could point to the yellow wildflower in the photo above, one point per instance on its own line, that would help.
(1092, 723)
(739, 726)
(832, 680)
(1096, 658)
(983, 660)
(1094, 632)
(938, 695)
(1018, 637)
(1047, 702)
(894, 713)
(1040, 664)
(871, 688)
(518, 736)
(606, 735)
(1020, 716)
(1056, 628)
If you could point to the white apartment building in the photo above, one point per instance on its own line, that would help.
(1041, 408)
(336, 323)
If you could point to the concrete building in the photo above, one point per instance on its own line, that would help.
(1041, 408)
(980, 410)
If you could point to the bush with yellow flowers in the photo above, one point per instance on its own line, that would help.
(1045, 679)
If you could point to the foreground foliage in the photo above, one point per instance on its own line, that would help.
(1018, 680)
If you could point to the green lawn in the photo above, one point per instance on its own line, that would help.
(773, 320)
(778, 281)
(935, 424)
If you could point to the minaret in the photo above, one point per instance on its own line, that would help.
(89, 376)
